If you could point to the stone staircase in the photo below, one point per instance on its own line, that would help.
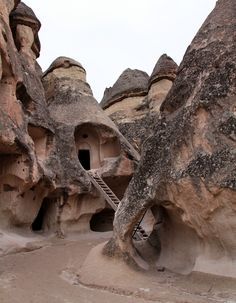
(139, 233)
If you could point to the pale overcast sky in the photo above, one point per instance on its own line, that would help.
(108, 36)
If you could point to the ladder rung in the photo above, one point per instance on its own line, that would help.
(139, 232)
(100, 183)
(116, 199)
(105, 188)
(106, 191)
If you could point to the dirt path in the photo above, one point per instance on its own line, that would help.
(48, 275)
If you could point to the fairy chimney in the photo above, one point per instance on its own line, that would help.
(25, 26)
(25, 137)
(121, 100)
(188, 165)
(161, 80)
(88, 140)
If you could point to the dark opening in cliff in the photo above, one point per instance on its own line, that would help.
(46, 216)
(84, 158)
(102, 221)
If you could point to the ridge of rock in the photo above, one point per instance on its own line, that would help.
(188, 164)
(208, 53)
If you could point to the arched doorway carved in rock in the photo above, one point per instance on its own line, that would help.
(84, 155)
(88, 147)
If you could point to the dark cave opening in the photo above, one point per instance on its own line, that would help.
(84, 158)
(102, 221)
(37, 225)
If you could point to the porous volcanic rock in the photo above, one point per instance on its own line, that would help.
(131, 83)
(165, 68)
(137, 100)
(26, 132)
(81, 125)
(24, 15)
(43, 186)
(124, 102)
(64, 62)
(161, 80)
(188, 167)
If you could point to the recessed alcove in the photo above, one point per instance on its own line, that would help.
(102, 221)
(94, 144)
(46, 217)
(22, 95)
(42, 141)
(88, 146)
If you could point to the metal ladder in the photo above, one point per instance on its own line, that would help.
(139, 233)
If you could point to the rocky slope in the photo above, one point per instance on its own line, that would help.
(187, 168)
(46, 121)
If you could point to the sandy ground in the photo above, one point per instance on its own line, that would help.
(52, 274)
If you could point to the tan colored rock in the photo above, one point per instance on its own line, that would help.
(63, 66)
(91, 140)
(24, 131)
(25, 26)
(134, 101)
(161, 81)
(126, 103)
(43, 185)
(188, 164)
(122, 99)
(9, 69)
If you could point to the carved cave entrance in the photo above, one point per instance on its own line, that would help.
(88, 147)
(84, 158)
(46, 216)
(94, 144)
(102, 221)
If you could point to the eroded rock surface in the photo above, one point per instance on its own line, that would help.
(187, 167)
(160, 82)
(131, 83)
(84, 136)
(51, 131)
(134, 101)
(25, 121)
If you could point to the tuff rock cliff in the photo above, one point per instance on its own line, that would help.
(182, 119)
(187, 170)
(51, 127)
(134, 101)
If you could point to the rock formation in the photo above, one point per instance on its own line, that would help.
(48, 141)
(122, 102)
(187, 168)
(20, 169)
(133, 102)
(84, 135)
(126, 94)
(161, 80)
(53, 131)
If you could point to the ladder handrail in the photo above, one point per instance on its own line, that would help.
(110, 197)
(98, 186)
(138, 224)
